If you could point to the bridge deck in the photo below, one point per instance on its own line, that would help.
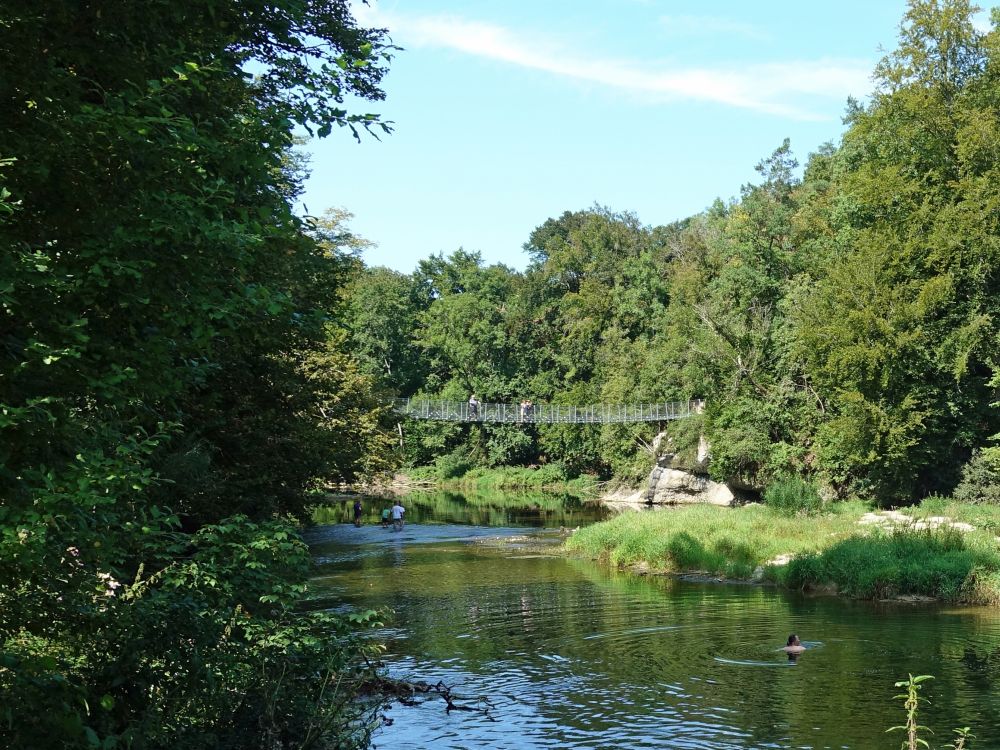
(461, 411)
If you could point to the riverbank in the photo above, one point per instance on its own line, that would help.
(547, 478)
(945, 551)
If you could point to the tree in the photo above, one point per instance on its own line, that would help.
(895, 332)
(384, 309)
(162, 310)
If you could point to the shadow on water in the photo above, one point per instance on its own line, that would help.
(579, 656)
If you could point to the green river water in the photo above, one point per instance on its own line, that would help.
(573, 655)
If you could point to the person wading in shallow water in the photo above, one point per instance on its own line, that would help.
(357, 512)
(397, 516)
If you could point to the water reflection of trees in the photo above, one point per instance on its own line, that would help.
(492, 509)
(594, 623)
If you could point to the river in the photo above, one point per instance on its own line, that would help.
(571, 654)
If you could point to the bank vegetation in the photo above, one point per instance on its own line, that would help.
(942, 550)
(175, 375)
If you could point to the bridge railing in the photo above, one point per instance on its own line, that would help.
(462, 411)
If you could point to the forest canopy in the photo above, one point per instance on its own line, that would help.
(173, 372)
(840, 320)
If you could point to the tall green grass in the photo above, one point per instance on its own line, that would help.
(943, 563)
(828, 550)
(731, 542)
(793, 494)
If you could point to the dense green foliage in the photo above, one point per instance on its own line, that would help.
(173, 372)
(842, 325)
(206, 650)
(550, 477)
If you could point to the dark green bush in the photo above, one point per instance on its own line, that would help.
(452, 465)
(552, 473)
(980, 481)
(793, 494)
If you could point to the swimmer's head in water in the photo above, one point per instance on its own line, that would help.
(793, 640)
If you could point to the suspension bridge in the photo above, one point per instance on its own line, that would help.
(528, 413)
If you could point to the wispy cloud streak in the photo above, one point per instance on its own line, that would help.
(776, 88)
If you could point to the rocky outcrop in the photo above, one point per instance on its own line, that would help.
(680, 479)
(670, 486)
(675, 479)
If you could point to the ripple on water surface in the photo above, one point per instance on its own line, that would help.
(575, 656)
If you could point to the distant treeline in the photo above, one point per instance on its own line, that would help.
(842, 324)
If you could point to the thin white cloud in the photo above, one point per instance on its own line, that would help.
(715, 25)
(774, 88)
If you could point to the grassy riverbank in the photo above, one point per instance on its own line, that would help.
(830, 550)
(548, 478)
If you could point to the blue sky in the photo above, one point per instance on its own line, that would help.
(508, 113)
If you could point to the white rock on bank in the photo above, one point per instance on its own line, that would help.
(668, 486)
(893, 518)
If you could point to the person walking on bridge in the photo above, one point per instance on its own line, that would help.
(473, 407)
(527, 410)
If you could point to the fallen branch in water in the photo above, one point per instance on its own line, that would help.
(408, 693)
